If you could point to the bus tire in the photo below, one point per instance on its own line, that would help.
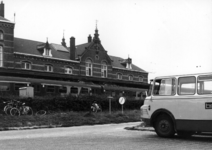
(164, 126)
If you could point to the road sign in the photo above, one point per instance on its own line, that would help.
(122, 100)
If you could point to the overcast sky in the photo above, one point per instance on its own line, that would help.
(161, 36)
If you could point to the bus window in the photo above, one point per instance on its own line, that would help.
(204, 85)
(186, 85)
(150, 88)
(164, 87)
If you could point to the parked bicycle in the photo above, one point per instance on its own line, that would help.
(95, 107)
(21, 109)
(9, 105)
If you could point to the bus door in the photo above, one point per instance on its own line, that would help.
(163, 95)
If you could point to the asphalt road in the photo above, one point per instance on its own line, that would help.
(98, 137)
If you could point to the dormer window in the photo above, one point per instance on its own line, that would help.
(129, 66)
(27, 65)
(1, 56)
(49, 68)
(1, 35)
(47, 52)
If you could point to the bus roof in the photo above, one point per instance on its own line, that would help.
(184, 75)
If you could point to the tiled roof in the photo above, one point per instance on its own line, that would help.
(61, 52)
(116, 62)
(26, 46)
(30, 47)
(80, 48)
(4, 19)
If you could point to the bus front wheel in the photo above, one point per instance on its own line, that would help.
(164, 126)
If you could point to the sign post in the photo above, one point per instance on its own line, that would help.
(122, 101)
(109, 97)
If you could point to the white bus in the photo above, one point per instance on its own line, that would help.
(179, 104)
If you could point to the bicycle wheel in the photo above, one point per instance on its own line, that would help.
(27, 110)
(40, 113)
(7, 110)
(14, 112)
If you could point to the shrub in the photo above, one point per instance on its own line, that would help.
(81, 103)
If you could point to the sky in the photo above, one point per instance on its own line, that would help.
(163, 37)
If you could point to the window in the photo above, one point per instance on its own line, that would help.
(26, 65)
(50, 89)
(204, 84)
(165, 87)
(1, 56)
(186, 85)
(1, 35)
(84, 90)
(37, 87)
(49, 68)
(130, 77)
(104, 70)
(4, 86)
(68, 70)
(119, 76)
(89, 68)
(19, 85)
(47, 52)
(74, 90)
(141, 79)
(63, 89)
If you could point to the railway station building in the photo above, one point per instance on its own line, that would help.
(64, 68)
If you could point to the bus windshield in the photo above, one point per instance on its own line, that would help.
(150, 88)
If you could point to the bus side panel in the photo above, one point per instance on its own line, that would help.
(194, 114)
(164, 102)
(194, 125)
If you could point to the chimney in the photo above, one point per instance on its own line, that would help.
(2, 9)
(72, 48)
(89, 38)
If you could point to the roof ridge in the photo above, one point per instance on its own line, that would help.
(28, 40)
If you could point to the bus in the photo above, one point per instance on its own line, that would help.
(179, 104)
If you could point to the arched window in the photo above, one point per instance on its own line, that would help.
(130, 77)
(88, 67)
(141, 79)
(68, 70)
(1, 56)
(49, 68)
(26, 65)
(104, 70)
(1, 35)
(119, 76)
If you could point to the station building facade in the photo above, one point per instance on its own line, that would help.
(52, 68)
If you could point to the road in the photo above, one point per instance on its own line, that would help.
(98, 137)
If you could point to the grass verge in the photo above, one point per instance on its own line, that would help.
(67, 119)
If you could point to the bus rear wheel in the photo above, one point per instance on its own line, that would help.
(164, 126)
